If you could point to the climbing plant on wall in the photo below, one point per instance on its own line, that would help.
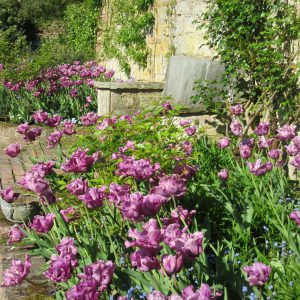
(124, 34)
(255, 41)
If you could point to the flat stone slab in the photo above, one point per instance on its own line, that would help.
(135, 85)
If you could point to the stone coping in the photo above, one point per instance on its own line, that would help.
(135, 85)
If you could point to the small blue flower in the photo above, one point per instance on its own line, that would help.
(274, 293)
(244, 289)
(275, 244)
(236, 254)
(265, 228)
(111, 297)
(270, 287)
(122, 260)
(252, 296)
(291, 283)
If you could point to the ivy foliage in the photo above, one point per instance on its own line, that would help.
(255, 42)
(124, 35)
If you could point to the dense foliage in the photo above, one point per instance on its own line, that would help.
(256, 42)
(145, 202)
(124, 34)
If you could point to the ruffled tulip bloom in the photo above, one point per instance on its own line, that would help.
(296, 162)
(22, 128)
(245, 151)
(94, 197)
(292, 149)
(44, 168)
(187, 147)
(138, 169)
(237, 109)
(13, 150)
(31, 134)
(172, 264)
(131, 207)
(34, 182)
(40, 116)
(296, 141)
(42, 224)
(203, 293)
(149, 238)
(259, 169)
(101, 272)
(170, 186)
(178, 215)
(236, 127)
(223, 143)
(262, 128)
(79, 162)
(152, 204)
(67, 249)
(70, 214)
(15, 234)
(274, 153)
(9, 195)
(190, 131)
(144, 259)
(118, 193)
(295, 215)
(54, 138)
(287, 132)
(90, 119)
(78, 187)
(59, 269)
(129, 145)
(69, 127)
(17, 272)
(83, 290)
(184, 122)
(185, 171)
(264, 143)
(258, 274)
(167, 106)
(223, 174)
(53, 121)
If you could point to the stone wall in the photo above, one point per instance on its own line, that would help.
(174, 33)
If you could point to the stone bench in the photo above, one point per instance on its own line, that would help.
(182, 72)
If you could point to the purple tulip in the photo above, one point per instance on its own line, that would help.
(179, 215)
(118, 193)
(79, 162)
(144, 259)
(101, 272)
(274, 153)
(15, 234)
(237, 109)
(59, 269)
(70, 214)
(40, 116)
(184, 122)
(69, 127)
(152, 204)
(236, 127)
(155, 295)
(16, 273)
(42, 224)
(44, 168)
(149, 238)
(264, 143)
(223, 143)
(22, 128)
(203, 293)
(172, 264)
(78, 187)
(129, 145)
(170, 186)
(47, 197)
(295, 215)
(131, 207)
(167, 106)
(138, 169)
(245, 151)
(90, 119)
(67, 249)
(54, 138)
(83, 290)
(296, 141)
(94, 197)
(262, 128)
(13, 150)
(187, 147)
(292, 149)
(30, 134)
(53, 121)
(287, 132)
(106, 123)
(223, 174)
(190, 131)
(258, 274)
(9, 195)
(296, 162)
(185, 171)
(259, 169)
(34, 182)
